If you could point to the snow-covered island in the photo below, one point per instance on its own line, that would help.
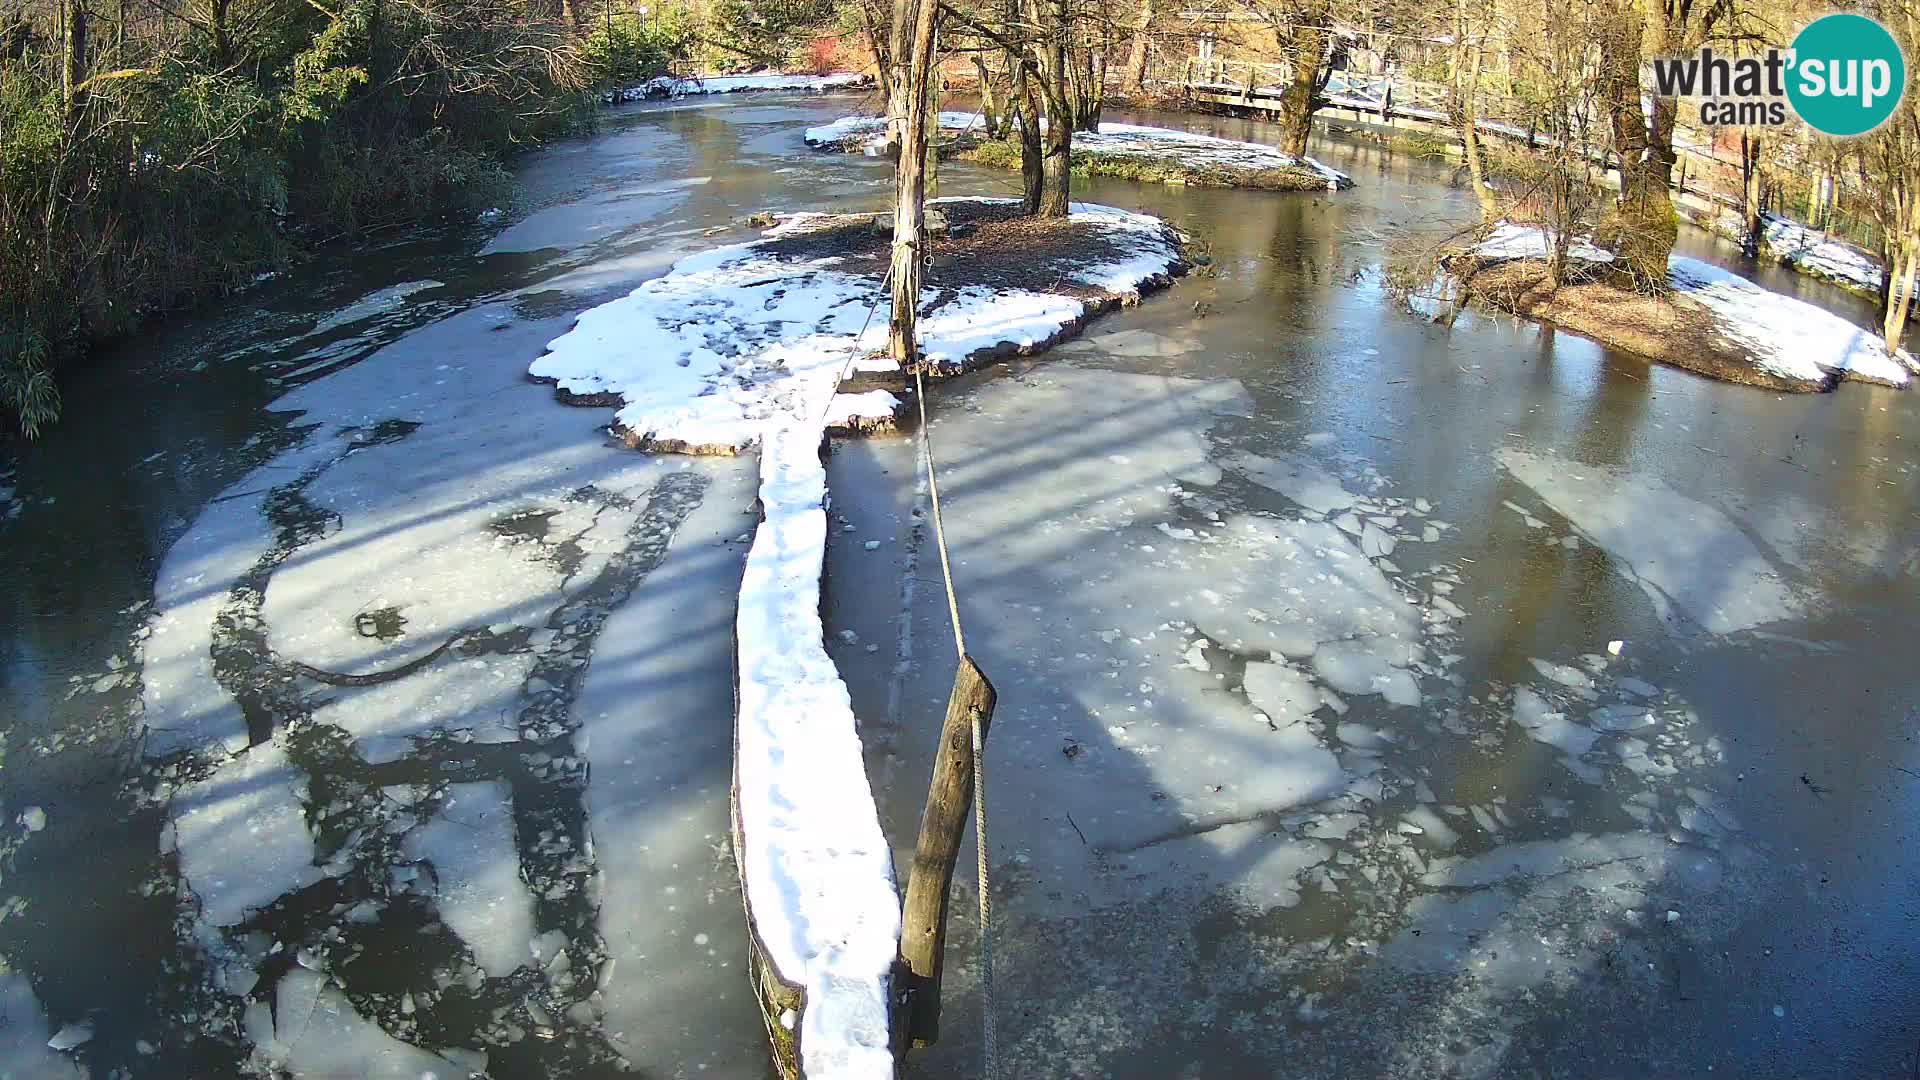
(1712, 322)
(1129, 151)
(675, 86)
(747, 346)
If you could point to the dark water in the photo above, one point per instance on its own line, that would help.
(1816, 715)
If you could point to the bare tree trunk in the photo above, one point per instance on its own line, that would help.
(1306, 46)
(990, 110)
(1751, 232)
(223, 41)
(1027, 120)
(73, 69)
(1096, 89)
(898, 63)
(1902, 247)
(931, 120)
(1136, 82)
(1643, 229)
(913, 39)
(1056, 164)
(1900, 285)
(1470, 118)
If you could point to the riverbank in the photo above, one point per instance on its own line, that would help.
(1789, 243)
(1711, 322)
(1154, 155)
(749, 345)
(678, 86)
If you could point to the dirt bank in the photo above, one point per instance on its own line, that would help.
(1669, 330)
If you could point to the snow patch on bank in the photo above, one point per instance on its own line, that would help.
(1791, 243)
(737, 338)
(1788, 338)
(1116, 140)
(1134, 140)
(740, 347)
(668, 86)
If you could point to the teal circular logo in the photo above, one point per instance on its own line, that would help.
(1845, 75)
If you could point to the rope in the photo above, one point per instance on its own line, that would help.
(989, 1046)
(939, 528)
(853, 350)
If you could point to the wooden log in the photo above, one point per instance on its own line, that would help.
(923, 931)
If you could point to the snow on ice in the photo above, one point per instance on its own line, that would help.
(738, 347)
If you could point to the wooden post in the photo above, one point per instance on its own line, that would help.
(923, 931)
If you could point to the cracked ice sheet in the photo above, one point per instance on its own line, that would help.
(422, 539)
(470, 844)
(183, 707)
(474, 698)
(465, 380)
(1109, 718)
(241, 836)
(1473, 923)
(1687, 556)
(312, 1031)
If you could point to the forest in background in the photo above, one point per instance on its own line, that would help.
(158, 153)
(154, 153)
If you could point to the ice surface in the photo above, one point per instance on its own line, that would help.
(1176, 781)
(1687, 556)
(183, 706)
(474, 698)
(24, 1053)
(1313, 587)
(470, 845)
(241, 835)
(1361, 667)
(314, 1032)
(1532, 712)
(458, 567)
(1282, 693)
(656, 734)
(1296, 476)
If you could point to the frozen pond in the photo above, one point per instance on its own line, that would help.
(1376, 698)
